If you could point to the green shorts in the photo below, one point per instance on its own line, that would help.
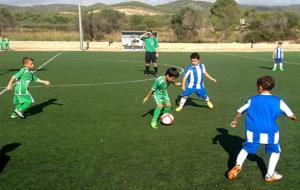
(161, 99)
(20, 99)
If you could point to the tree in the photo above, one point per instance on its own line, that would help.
(97, 25)
(225, 16)
(186, 24)
(6, 19)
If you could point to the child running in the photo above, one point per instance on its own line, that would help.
(261, 128)
(160, 93)
(22, 97)
(193, 81)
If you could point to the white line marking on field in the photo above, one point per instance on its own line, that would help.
(256, 58)
(105, 83)
(47, 62)
(4, 90)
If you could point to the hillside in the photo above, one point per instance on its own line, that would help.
(136, 7)
(177, 5)
(53, 8)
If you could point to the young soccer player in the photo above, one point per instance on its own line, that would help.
(1, 44)
(151, 45)
(278, 57)
(160, 93)
(193, 81)
(6, 43)
(22, 97)
(261, 128)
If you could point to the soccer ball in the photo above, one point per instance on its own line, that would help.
(167, 119)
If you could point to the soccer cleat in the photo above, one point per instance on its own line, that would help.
(20, 114)
(232, 174)
(154, 125)
(13, 116)
(281, 69)
(179, 108)
(275, 177)
(274, 69)
(210, 105)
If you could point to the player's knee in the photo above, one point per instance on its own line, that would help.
(168, 104)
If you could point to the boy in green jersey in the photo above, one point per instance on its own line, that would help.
(22, 97)
(1, 44)
(151, 54)
(160, 93)
(5, 43)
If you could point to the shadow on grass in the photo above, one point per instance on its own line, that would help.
(151, 72)
(190, 102)
(38, 108)
(264, 67)
(150, 112)
(232, 145)
(4, 158)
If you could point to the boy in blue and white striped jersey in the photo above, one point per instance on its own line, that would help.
(261, 127)
(278, 57)
(193, 81)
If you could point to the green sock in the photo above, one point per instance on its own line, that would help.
(156, 114)
(18, 107)
(24, 106)
(167, 110)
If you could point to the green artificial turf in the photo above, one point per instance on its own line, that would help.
(97, 136)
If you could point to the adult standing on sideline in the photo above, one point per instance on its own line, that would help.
(151, 45)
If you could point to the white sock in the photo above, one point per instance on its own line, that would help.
(275, 66)
(280, 65)
(206, 99)
(272, 163)
(182, 101)
(241, 157)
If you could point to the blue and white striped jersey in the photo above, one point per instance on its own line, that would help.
(195, 76)
(262, 113)
(278, 53)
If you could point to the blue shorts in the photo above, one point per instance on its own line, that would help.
(251, 148)
(200, 92)
(277, 61)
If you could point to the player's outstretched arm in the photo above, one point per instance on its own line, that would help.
(210, 77)
(236, 119)
(274, 52)
(10, 83)
(147, 96)
(45, 82)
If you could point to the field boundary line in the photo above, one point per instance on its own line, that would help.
(40, 67)
(256, 58)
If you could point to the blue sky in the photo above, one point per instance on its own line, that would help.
(154, 2)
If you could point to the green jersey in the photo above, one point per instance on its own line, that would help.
(160, 86)
(151, 43)
(24, 78)
(1, 43)
(6, 42)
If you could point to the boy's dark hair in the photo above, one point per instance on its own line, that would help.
(195, 56)
(279, 43)
(25, 59)
(149, 30)
(172, 72)
(266, 83)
